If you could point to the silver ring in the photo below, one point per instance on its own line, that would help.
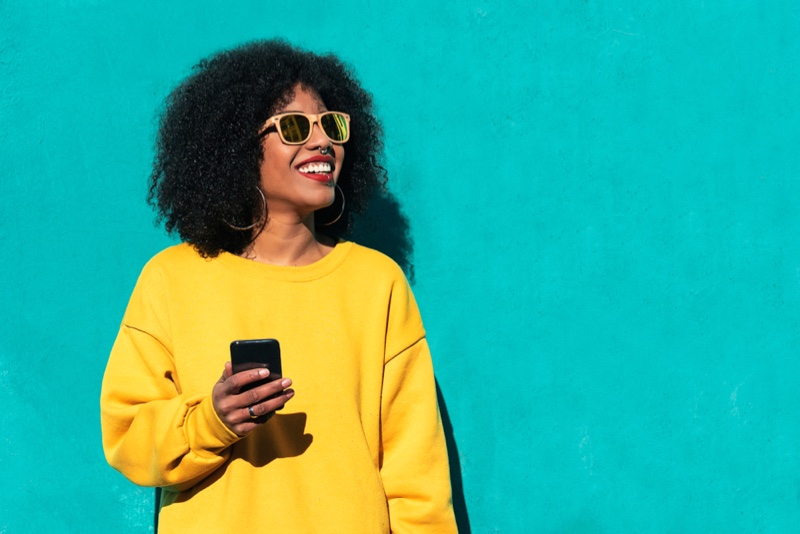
(252, 413)
(325, 150)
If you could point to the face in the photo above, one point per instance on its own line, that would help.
(295, 178)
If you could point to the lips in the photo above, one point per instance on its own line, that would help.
(319, 168)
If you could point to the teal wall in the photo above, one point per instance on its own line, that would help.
(603, 199)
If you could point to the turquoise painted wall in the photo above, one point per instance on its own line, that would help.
(603, 199)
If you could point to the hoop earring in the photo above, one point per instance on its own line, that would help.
(260, 219)
(340, 213)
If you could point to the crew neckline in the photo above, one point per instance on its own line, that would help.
(289, 273)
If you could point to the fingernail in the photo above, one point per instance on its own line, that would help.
(263, 372)
(290, 393)
(286, 382)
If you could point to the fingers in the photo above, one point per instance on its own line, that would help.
(233, 405)
(262, 392)
(246, 419)
(232, 398)
(270, 404)
(235, 382)
(226, 373)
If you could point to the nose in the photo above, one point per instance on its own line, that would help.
(318, 138)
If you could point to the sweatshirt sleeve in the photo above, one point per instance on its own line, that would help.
(152, 433)
(414, 465)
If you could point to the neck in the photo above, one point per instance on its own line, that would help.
(290, 243)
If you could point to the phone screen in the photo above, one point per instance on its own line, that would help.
(257, 353)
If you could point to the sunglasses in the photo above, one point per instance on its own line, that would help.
(295, 128)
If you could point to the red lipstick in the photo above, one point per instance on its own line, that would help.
(318, 176)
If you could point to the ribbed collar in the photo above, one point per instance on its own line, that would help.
(304, 273)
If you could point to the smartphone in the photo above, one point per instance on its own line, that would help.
(254, 354)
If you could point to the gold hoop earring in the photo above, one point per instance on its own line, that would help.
(260, 219)
(340, 212)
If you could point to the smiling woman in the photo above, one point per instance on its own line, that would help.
(209, 153)
(298, 177)
(259, 172)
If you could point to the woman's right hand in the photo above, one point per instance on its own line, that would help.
(233, 407)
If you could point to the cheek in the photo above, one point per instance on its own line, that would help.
(277, 160)
(276, 154)
(338, 172)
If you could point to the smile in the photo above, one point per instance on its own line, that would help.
(312, 168)
(319, 168)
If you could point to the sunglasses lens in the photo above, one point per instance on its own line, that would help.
(295, 128)
(335, 127)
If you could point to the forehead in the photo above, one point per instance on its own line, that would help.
(304, 99)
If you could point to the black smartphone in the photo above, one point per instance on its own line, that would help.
(254, 354)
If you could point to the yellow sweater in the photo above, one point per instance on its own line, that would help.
(359, 448)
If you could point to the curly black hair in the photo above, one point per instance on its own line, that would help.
(208, 151)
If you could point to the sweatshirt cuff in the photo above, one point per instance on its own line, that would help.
(205, 431)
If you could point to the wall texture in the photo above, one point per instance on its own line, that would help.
(603, 200)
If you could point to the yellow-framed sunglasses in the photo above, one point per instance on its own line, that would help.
(295, 128)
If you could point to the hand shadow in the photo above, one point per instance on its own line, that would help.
(283, 436)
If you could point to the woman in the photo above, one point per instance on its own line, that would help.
(263, 156)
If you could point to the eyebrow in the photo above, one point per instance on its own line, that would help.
(301, 111)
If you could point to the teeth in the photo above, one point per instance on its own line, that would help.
(316, 168)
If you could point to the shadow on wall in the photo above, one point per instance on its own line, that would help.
(384, 227)
(459, 504)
